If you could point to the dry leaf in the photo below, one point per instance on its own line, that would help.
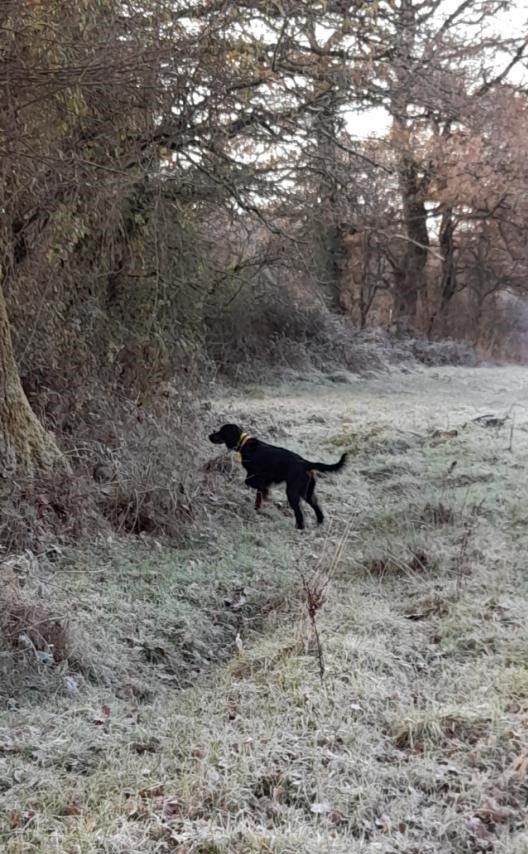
(72, 809)
(132, 808)
(172, 807)
(149, 746)
(492, 813)
(520, 764)
(20, 819)
(155, 791)
(232, 710)
(479, 829)
(15, 819)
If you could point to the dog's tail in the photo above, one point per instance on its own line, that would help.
(328, 466)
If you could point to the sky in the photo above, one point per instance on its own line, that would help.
(512, 23)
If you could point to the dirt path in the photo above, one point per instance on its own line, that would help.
(415, 742)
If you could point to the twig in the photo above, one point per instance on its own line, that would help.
(512, 428)
(469, 527)
(314, 594)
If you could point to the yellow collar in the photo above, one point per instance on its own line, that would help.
(242, 441)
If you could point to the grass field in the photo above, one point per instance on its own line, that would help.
(191, 715)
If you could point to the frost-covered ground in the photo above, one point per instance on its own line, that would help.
(416, 739)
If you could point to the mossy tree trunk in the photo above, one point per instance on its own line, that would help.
(24, 443)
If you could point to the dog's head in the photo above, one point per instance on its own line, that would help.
(228, 435)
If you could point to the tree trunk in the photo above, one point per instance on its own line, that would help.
(24, 443)
(331, 248)
(411, 275)
(410, 279)
(331, 255)
(448, 282)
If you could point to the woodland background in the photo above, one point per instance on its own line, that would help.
(184, 196)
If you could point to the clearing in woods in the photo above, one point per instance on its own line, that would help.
(416, 740)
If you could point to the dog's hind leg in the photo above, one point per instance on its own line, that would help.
(312, 500)
(294, 498)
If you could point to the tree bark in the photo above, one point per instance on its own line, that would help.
(411, 274)
(410, 278)
(448, 282)
(24, 443)
(331, 247)
(331, 265)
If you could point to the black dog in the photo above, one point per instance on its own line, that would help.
(266, 464)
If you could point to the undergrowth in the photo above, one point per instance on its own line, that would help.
(259, 338)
